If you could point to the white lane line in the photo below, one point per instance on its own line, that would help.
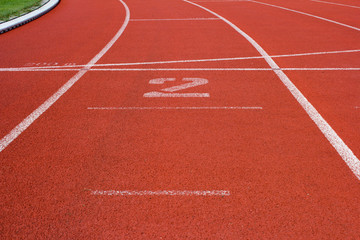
(320, 69)
(172, 69)
(176, 95)
(224, 69)
(217, 1)
(339, 4)
(175, 108)
(173, 19)
(205, 193)
(307, 14)
(34, 69)
(192, 61)
(343, 150)
(6, 140)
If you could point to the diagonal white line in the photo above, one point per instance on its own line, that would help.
(343, 150)
(339, 4)
(6, 140)
(307, 14)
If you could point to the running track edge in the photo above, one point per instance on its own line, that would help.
(21, 20)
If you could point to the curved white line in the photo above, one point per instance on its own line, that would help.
(307, 14)
(343, 150)
(5, 141)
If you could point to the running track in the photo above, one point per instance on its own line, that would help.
(262, 141)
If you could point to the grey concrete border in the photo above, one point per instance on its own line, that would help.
(19, 21)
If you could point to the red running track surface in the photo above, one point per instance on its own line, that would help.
(282, 177)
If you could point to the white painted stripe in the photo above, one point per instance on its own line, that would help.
(174, 19)
(224, 69)
(176, 108)
(192, 61)
(344, 5)
(320, 69)
(31, 69)
(307, 14)
(5, 141)
(217, 1)
(176, 95)
(343, 150)
(208, 193)
(172, 69)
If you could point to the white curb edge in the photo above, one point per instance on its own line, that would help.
(19, 21)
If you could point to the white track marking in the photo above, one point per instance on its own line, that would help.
(176, 95)
(217, 1)
(307, 14)
(175, 108)
(176, 69)
(5, 141)
(344, 5)
(174, 19)
(320, 69)
(190, 61)
(343, 150)
(34, 69)
(208, 193)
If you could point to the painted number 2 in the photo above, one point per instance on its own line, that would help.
(173, 91)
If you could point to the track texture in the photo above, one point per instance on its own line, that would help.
(249, 136)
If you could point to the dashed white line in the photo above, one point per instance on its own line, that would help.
(6, 140)
(339, 4)
(205, 193)
(176, 108)
(307, 14)
(343, 150)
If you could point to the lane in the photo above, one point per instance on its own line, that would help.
(335, 95)
(284, 38)
(270, 176)
(164, 46)
(280, 183)
(23, 92)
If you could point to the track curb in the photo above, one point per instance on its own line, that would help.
(19, 21)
